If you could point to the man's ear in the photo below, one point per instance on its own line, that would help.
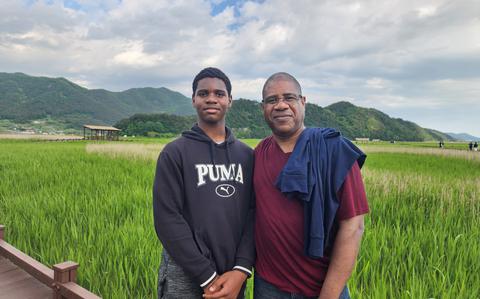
(230, 101)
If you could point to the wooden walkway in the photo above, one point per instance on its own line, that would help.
(23, 277)
(16, 283)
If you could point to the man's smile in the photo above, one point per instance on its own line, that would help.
(282, 116)
(211, 109)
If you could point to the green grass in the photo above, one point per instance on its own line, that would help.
(59, 203)
(422, 237)
(440, 167)
(146, 140)
(460, 145)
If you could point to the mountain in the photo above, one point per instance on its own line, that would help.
(368, 122)
(56, 104)
(463, 136)
(25, 98)
(246, 119)
(155, 125)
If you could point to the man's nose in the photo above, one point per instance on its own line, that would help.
(281, 106)
(212, 98)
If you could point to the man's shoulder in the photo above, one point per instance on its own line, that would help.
(324, 132)
(331, 136)
(175, 146)
(263, 143)
(336, 145)
(240, 145)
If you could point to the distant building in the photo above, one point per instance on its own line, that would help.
(28, 131)
(92, 132)
(362, 139)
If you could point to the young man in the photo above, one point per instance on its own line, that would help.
(203, 201)
(310, 201)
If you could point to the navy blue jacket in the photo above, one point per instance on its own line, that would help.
(314, 173)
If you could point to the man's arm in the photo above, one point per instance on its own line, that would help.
(170, 225)
(344, 255)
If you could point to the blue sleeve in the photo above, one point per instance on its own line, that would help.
(346, 154)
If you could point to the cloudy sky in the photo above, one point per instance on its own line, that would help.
(417, 60)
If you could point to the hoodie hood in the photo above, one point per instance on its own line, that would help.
(196, 133)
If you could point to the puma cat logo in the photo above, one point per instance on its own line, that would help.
(225, 190)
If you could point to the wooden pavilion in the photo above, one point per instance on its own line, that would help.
(92, 132)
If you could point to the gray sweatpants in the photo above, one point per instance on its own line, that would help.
(174, 283)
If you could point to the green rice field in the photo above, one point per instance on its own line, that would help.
(91, 203)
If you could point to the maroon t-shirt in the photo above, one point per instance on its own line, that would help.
(279, 224)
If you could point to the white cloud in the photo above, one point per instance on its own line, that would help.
(393, 55)
(377, 83)
(426, 11)
(248, 88)
(135, 56)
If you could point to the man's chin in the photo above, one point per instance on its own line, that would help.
(211, 120)
(283, 131)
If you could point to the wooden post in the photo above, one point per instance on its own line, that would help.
(62, 273)
(2, 229)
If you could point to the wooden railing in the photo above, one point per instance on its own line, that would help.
(62, 279)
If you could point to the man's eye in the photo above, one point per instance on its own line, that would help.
(220, 94)
(290, 98)
(271, 100)
(202, 93)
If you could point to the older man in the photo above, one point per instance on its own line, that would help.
(310, 201)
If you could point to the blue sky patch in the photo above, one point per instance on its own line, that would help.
(219, 7)
(72, 4)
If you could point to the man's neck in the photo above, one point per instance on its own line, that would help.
(216, 131)
(287, 143)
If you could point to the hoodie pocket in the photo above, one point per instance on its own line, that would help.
(162, 276)
(202, 247)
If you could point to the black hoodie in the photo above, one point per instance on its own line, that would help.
(203, 204)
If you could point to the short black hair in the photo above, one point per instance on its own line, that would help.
(281, 76)
(212, 72)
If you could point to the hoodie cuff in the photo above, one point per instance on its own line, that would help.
(244, 265)
(209, 280)
(244, 270)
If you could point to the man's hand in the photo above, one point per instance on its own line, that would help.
(227, 286)
(206, 289)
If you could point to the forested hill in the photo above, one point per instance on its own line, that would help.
(246, 119)
(33, 100)
(26, 98)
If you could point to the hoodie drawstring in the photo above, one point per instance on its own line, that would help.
(212, 151)
(197, 133)
(227, 149)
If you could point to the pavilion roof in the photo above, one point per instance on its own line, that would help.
(104, 128)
